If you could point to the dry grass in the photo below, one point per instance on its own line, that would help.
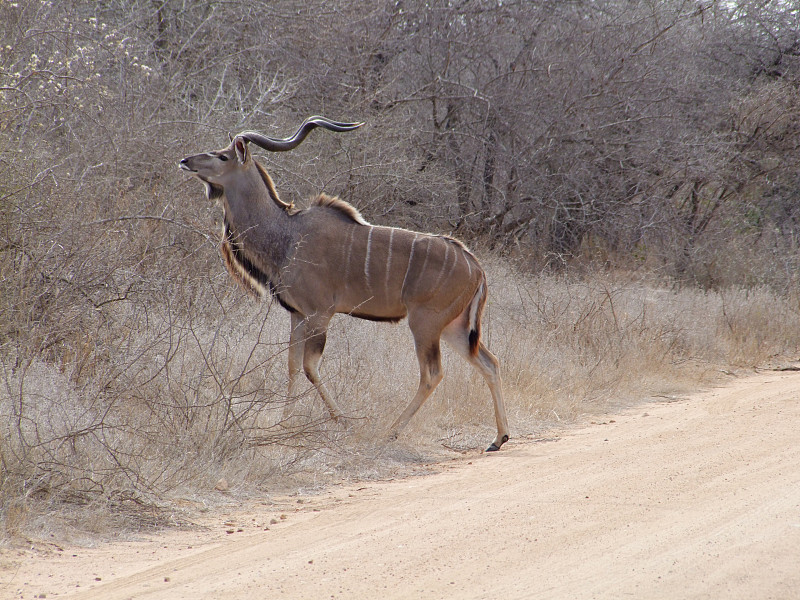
(191, 399)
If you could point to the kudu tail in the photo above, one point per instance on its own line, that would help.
(476, 307)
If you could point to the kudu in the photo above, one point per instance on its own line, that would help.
(327, 259)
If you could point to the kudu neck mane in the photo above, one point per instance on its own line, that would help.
(345, 208)
(273, 193)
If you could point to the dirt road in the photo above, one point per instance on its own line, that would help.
(697, 498)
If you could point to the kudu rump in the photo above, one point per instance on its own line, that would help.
(327, 259)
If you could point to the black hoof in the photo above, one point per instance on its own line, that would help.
(494, 447)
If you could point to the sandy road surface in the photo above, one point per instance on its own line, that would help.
(698, 498)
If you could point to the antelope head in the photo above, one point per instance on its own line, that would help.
(214, 169)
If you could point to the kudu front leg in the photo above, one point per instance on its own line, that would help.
(306, 343)
(316, 331)
(297, 344)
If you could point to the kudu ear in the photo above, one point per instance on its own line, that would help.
(242, 150)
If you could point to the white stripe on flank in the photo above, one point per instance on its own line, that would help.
(427, 252)
(347, 259)
(408, 268)
(444, 264)
(455, 262)
(389, 262)
(366, 259)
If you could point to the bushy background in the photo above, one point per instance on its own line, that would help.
(628, 171)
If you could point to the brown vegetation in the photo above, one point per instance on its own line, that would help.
(637, 163)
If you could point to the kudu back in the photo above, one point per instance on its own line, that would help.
(327, 259)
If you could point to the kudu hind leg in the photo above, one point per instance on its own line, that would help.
(457, 335)
(430, 374)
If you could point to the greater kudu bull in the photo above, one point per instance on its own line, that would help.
(327, 259)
